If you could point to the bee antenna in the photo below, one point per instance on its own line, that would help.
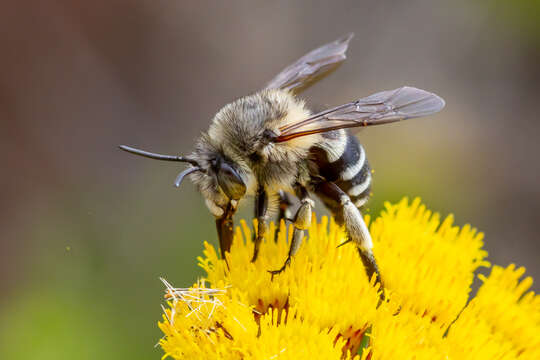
(150, 155)
(183, 174)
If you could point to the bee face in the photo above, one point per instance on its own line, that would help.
(221, 179)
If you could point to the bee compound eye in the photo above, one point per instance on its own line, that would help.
(230, 181)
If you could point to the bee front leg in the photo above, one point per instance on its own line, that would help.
(301, 222)
(225, 226)
(354, 224)
(261, 207)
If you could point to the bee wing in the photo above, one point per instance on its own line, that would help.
(312, 67)
(380, 108)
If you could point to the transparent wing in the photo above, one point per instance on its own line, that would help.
(380, 108)
(312, 67)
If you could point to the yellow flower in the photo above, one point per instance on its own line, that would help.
(427, 264)
(325, 282)
(203, 323)
(507, 317)
(323, 305)
(405, 335)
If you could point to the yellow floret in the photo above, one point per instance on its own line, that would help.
(426, 264)
(507, 315)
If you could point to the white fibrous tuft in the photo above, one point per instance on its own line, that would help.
(195, 298)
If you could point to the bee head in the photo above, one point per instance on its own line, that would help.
(223, 179)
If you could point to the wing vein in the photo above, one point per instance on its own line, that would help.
(380, 108)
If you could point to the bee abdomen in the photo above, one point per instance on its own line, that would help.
(359, 187)
(350, 170)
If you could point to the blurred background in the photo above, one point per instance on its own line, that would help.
(86, 230)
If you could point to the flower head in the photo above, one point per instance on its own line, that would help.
(326, 283)
(324, 306)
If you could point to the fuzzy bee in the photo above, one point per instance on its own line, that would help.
(269, 145)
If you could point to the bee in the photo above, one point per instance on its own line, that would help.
(270, 146)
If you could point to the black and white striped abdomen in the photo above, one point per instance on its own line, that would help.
(342, 160)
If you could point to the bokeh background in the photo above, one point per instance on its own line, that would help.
(86, 230)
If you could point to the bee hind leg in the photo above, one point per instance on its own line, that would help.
(301, 222)
(349, 215)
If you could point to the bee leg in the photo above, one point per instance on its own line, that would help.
(285, 202)
(301, 222)
(354, 224)
(261, 207)
(225, 225)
